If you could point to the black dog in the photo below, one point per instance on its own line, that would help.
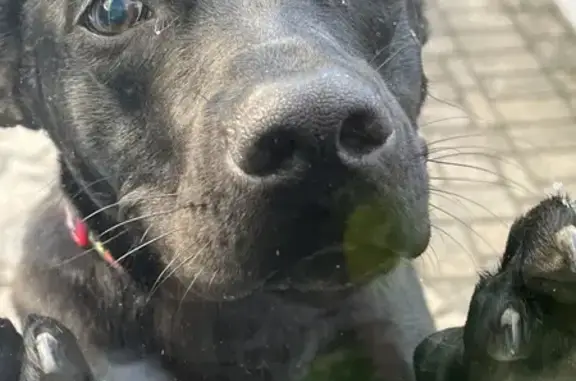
(521, 324)
(48, 351)
(45, 351)
(11, 351)
(245, 169)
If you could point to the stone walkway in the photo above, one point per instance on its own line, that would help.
(501, 119)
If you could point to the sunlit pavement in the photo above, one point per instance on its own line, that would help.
(501, 118)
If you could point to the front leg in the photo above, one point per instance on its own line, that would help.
(45, 351)
(10, 351)
(520, 324)
(51, 352)
(392, 317)
(58, 280)
(440, 356)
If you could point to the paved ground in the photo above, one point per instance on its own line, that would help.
(503, 114)
(501, 119)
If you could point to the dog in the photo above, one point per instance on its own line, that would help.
(47, 350)
(242, 183)
(11, 351)
(520, 324)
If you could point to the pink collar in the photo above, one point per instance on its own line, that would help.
(85, 239)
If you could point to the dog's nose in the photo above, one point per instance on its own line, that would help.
(285, 126)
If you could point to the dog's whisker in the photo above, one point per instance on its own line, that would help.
(117, 203)
(108, 240)
(463, 223)
(454, 137)
(489, 155)
(172, 270)
(379, 52)
(145, 234)
(85, 187)
(517, 139)
(458, 198)
(100, 210)
(501, 177)
(464, 248)
(444, 120)
(189, 288)
(458, 153)
(145, 244)
(139, 218)
(383, 49)
(159, 280)
(394, 55)
(448, 103)
(462, 150)
(469, 180)
(430, 257)
(446, 153)
(86, 252)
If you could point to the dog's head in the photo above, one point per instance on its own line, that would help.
(245, 141)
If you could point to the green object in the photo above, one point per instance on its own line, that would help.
(367, 243)
(346, 362)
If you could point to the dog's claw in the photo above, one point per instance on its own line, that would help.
(51, 352)
(510, 323)
(48, 353)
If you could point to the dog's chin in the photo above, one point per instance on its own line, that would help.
(331, 273)
(320, 251)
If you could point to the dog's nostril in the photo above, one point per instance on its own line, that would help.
(305, 124)
(361, 134)
(270, 154)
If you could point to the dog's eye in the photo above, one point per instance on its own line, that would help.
(111, 17)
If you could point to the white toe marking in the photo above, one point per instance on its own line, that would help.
(511, 318)
(46, 345)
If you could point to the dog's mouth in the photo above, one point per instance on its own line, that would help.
(329, 270)
(368, 244)
(331, 246)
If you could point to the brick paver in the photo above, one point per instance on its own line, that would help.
(504, 75)
(500, 119)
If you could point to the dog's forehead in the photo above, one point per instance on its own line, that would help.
(243, 13)
(387, 6)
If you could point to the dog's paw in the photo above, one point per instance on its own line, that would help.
(520, 323)
(439, 357)
(51, 352)
(10, 351)
(504, 322)
(542, 245)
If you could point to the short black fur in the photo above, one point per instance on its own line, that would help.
(265, 152)
(520, 324)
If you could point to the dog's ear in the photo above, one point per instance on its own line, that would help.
(10, 52)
